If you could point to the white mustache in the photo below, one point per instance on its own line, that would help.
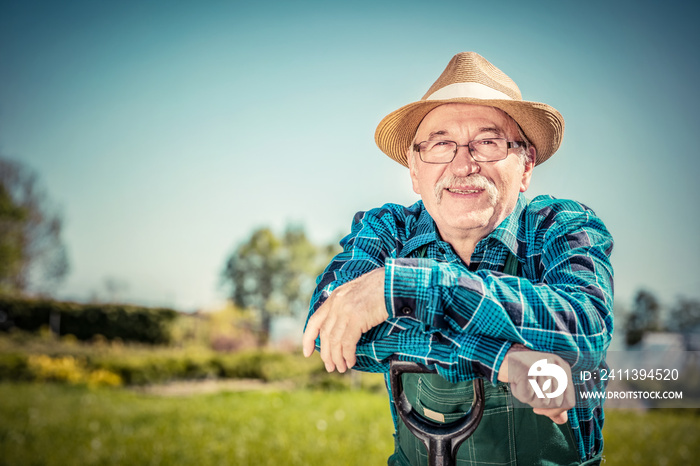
(472, 181)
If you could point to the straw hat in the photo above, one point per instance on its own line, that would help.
(470, 78)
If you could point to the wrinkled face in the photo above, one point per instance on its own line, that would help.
(465, 198)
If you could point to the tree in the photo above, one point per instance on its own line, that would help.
(274, 275)
(685, 319)
(32, 255)
(643, 318)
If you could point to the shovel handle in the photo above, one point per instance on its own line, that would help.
(441, 440)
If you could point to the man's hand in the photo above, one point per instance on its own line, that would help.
(351, 310)
(514, 370)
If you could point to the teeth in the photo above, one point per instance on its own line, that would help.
(463, 191)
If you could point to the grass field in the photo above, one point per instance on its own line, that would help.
(64, 425)
(51, 424)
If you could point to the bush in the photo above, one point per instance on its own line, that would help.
(142, 369)
(29, 357)
(85, 321)
(243, 365)
(13, 366)
(61, 369)
(69, 369)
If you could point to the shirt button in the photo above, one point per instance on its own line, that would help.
(406, 310)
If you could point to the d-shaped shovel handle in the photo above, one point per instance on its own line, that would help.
(441, 440)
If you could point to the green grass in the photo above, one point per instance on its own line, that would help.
(655, 437)
(64, 425)
(53, 424)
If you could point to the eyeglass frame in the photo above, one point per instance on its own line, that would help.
(510, 145)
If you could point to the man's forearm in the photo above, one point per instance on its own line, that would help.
(457, 357)
(540, 316)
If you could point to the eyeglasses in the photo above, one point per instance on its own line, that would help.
(481, 150)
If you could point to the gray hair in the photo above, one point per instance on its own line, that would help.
(524, 150)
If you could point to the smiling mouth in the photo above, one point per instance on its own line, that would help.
(471, 187)
(464, 190)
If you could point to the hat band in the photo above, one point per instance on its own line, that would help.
(471, 90)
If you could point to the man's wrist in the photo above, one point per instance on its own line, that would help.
(501, 373)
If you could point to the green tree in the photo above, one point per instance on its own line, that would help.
(685, 319)
(11, 215)
(643, 318)
(274, 275)
(32, 255)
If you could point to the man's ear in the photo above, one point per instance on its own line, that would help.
(411, 158)
(529, 167)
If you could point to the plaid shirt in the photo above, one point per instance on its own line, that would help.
(462, 319)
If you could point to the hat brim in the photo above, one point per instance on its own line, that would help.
(543, 125)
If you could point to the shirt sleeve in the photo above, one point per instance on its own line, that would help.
(456, 356)
(565, 306)
(364, 249)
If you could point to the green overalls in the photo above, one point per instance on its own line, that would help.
(506, 435)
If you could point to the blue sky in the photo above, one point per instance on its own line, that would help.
(166, 131)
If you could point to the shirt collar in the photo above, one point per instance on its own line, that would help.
(424, 232)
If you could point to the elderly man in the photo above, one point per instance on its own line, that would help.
(474, 280)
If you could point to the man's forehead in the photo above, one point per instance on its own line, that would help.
(479, 129)
(486, 119)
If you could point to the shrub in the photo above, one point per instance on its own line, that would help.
(69, 369)
(243, 365)
(103, 378)
(85, 321)
(13, 366)
(30, 357)
(61, 369)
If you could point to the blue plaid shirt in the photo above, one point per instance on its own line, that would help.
(462, 319)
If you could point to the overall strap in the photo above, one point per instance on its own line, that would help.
(511, 266)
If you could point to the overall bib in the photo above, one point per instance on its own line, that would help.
(506, 435)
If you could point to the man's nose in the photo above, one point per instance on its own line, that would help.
(464, 164)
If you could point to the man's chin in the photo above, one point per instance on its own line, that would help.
(467, 219)
(466, 202)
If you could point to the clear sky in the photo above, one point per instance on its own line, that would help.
(166, 131)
